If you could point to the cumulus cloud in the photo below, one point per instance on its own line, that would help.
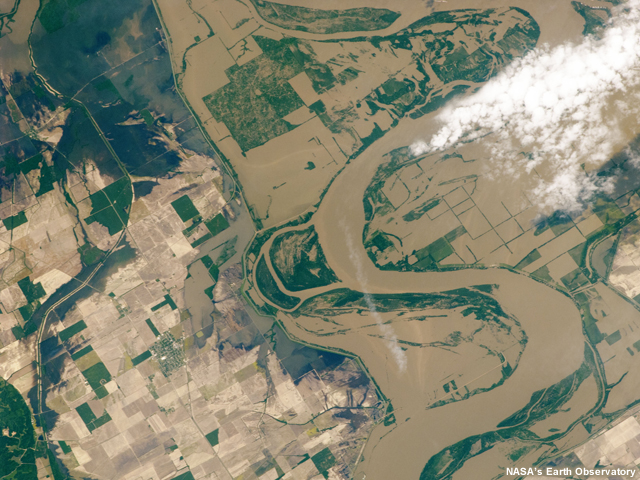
(564, 106)
(387, 331)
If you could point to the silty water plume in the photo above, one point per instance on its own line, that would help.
(554, 110)
(387, 331)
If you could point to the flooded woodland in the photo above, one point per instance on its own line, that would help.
(222, 256)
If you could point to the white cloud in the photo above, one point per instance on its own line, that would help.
(387, 331)
(565, 106)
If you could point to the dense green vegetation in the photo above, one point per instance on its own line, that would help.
(65, 448)
(147, 117)
(324, 460)
(252, 105)
(299, 262)
(18, 332)
(153, 328)
(212, 437)
(184, 476)
(31, 164)
(91, 421)
(529, 259)
(55, 14)
(111, 206)
(141, 358)
(97, 375)
(17, 450)
(15, 221)
(324, 21)
(167, 301)
(589, 322)
(89, 254)
(185, 208)
(69, 332)
(595, 18)
(81, 353)
(269, 287)
(31, 291)
(217, 224)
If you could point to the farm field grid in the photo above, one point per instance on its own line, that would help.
(372, 240)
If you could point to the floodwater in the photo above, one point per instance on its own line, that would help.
(550, 320)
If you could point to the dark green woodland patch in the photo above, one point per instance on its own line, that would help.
(31, 291)
(313, 20)
(269, 287)
(299, 261)
(17, 458)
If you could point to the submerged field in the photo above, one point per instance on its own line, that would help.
(219, 255)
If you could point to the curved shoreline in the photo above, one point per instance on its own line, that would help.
(551, 321)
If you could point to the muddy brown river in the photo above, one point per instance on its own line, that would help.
(552, 323)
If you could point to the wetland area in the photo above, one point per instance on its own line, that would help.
(224, 256)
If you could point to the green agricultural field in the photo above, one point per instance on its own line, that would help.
(184, 476)
(108, 218)
(69, 332)
(324, 460)
(31, 291)
(81, 353)
(185, 208)
(141, 358)
(15, 221)
(167, 301)
(153, 328)
(27, 312)
(18, 332)
(217, 224)
(212, 437)
(147, 117)
(97, 375)
(31, 164)
(65, 448)
(110, 206)
(89, 419)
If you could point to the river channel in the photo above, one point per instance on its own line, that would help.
(552, 323)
